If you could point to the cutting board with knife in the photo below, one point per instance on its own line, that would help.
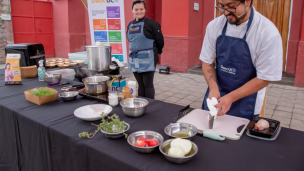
(230, 127)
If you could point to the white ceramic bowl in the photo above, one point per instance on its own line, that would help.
(92, 112)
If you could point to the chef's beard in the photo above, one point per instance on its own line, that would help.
(237, 21)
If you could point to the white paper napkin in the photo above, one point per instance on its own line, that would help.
(211, 103)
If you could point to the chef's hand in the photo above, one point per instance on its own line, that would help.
(214, 93)
(224, 103)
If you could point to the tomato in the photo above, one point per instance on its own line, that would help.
(140, 143)
(142, 139)
(152, 143)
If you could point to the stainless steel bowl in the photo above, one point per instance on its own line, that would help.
(181, 128)
(96, 85)
(149, 135)
(68, 96)
(165, 146)
(116, 135)
(53, 79)
(134, 107)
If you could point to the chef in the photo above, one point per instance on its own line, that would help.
(247, 48)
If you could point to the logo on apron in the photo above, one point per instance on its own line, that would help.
(135, 29)
(228, 70)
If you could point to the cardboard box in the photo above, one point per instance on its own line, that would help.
(29, 71)
(40, 100)
(12, 69)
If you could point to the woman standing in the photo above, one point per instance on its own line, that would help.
(146, 41)
(8, 72)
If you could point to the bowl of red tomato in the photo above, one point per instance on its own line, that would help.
(145, 141)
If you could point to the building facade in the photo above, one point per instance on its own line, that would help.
(63, 27)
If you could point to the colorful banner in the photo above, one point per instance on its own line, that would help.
(107, 25)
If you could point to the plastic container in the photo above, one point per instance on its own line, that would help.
(78, 56)
(41, 71)
(113, 99)
(266, 133)
(65, 73)
(118, 83)
(133, 88)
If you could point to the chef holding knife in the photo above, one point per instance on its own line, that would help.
(247, 48)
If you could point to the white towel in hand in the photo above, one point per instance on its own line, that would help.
(211, 103)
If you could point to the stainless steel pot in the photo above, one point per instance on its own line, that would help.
(96, 85)
(99, 57)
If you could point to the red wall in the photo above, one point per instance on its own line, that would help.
(76, 26)
(87, 28)
(183, 30)
(295, 54)
(294, 36)
(71, 27)
(208, 15)
(158, 11)
(195, 33)
(182, 27)
(299, 81)
(175, 18)
(61, 28)
(175, 21)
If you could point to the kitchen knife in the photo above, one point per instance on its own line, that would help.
(211, 121)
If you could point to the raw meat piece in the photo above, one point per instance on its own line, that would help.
(261, 125)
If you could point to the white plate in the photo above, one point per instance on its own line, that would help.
(92, 112)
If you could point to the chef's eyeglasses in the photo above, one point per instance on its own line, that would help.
(222, 9)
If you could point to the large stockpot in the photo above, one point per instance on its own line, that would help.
(96, 85)
(99, 57)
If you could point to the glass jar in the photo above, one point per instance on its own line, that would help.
(113, 99)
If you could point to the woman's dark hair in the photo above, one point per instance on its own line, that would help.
(7, 64)
(139, 2)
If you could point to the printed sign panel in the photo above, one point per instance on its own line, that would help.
(113, 12)
(116, 48)
(114, 24)
(107, 25)
(119, 57)
(100, 24)
(114, 36)
(100, 36)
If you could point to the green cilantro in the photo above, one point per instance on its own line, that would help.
(114, 126)
(42, 92)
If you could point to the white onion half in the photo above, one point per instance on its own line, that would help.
(176, 152)
(183, 143)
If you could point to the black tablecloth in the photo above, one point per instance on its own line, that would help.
(45, 138)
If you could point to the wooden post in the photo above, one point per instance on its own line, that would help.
(262, 113)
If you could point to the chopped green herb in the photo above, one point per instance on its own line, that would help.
(42, 92)
(105, 125)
